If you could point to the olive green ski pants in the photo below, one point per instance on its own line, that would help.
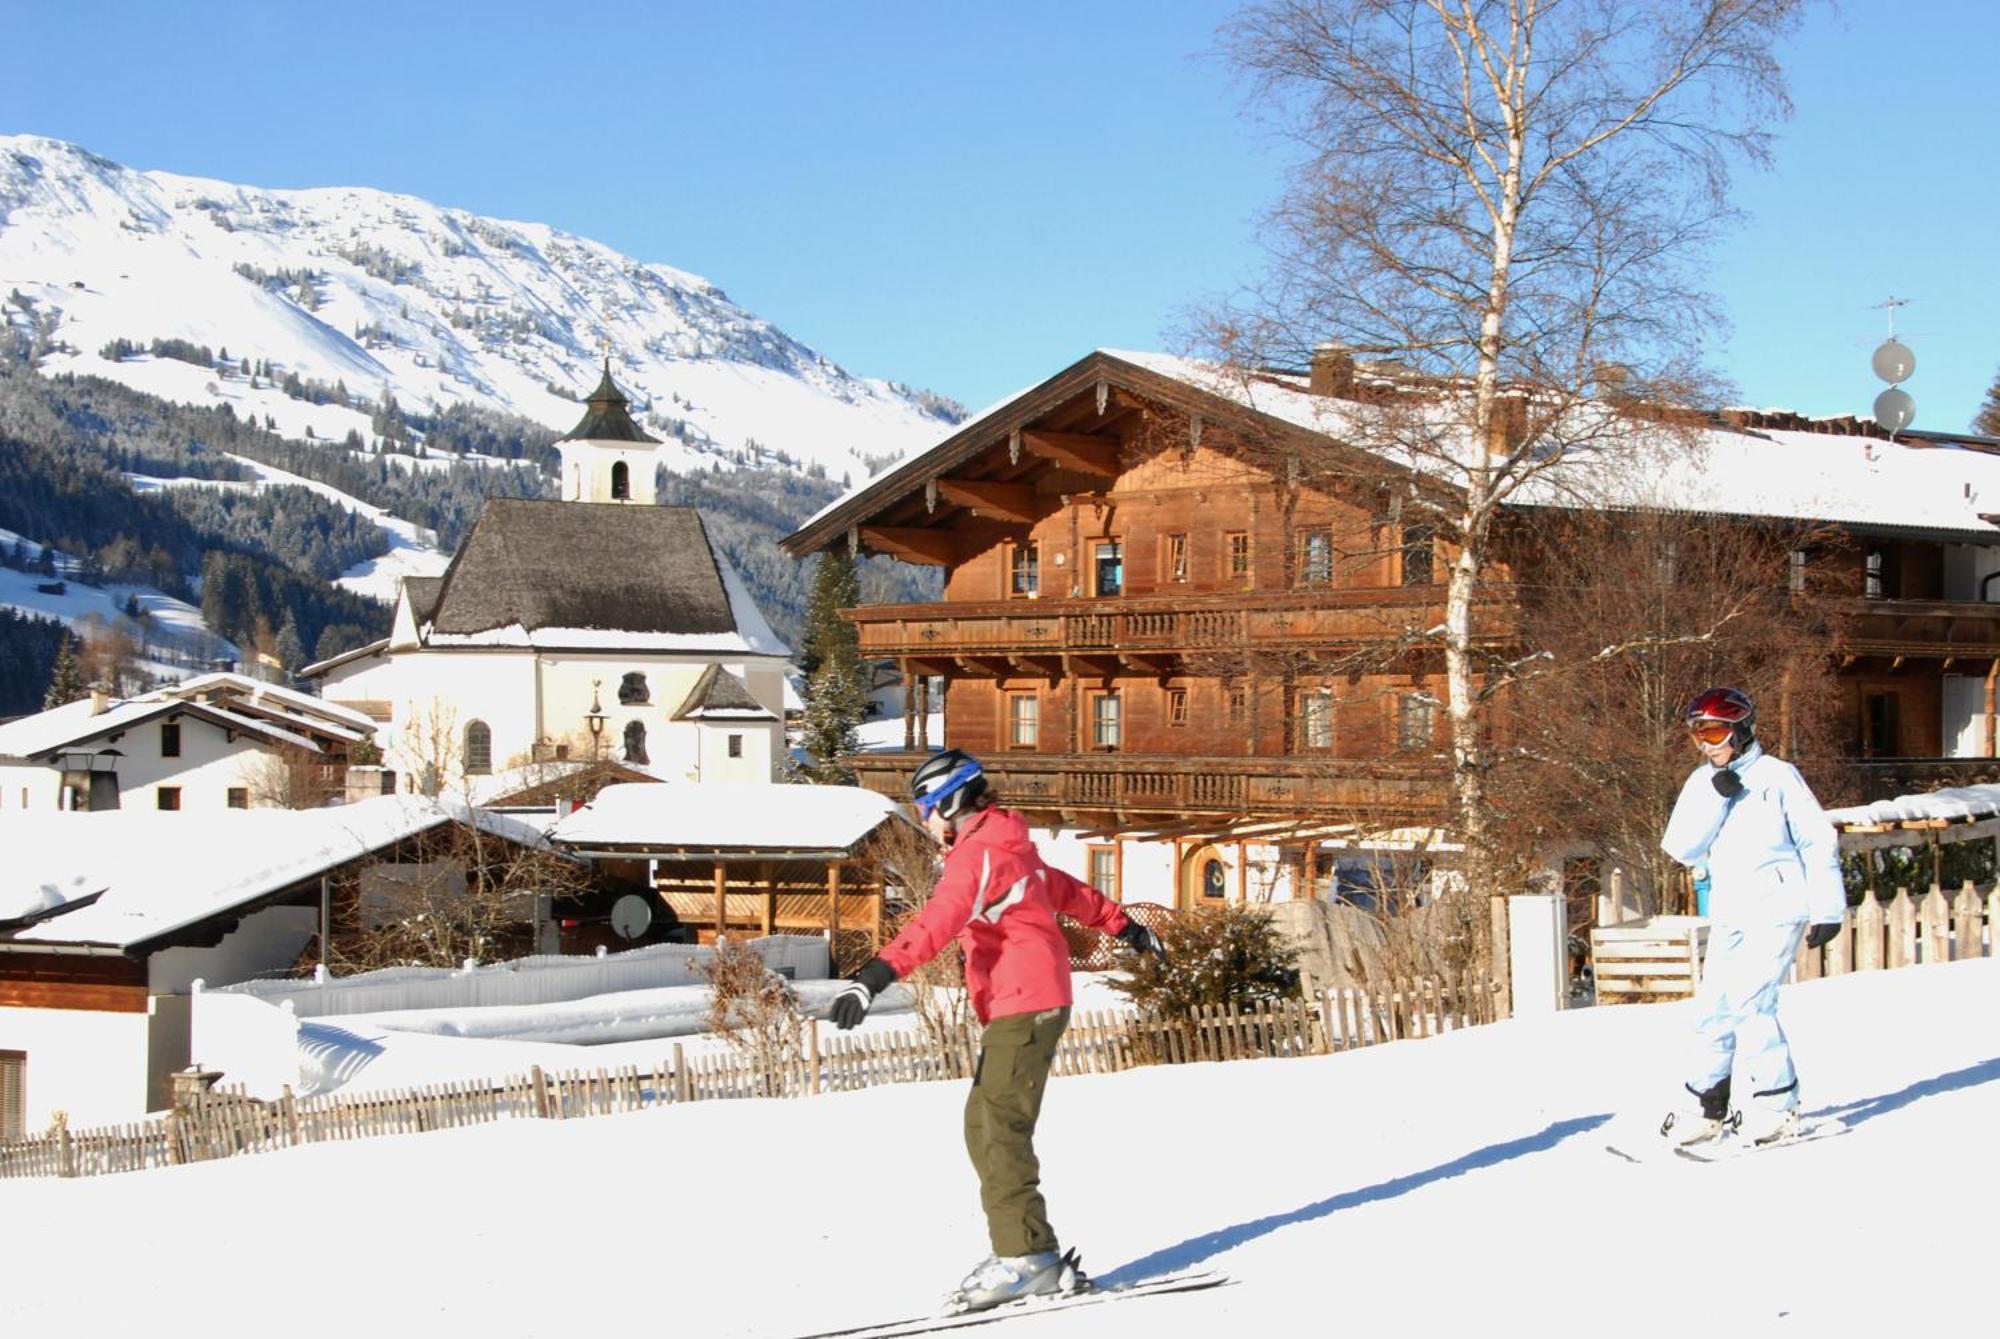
(1015, 1053)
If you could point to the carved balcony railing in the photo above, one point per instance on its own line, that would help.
(1927, 628)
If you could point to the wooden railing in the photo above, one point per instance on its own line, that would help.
(1922, 627)
(224, 1123)
(1028, 627)
(1906, 931)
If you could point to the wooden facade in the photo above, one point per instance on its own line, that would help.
(1143, 625)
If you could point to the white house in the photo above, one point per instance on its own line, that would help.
(601, 625)
(220, 741)
(108, 919)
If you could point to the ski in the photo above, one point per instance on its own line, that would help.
(1735, 1146)
(1028, 1306)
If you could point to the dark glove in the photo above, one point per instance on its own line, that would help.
(1142, 940)
(1727, 784)
(1819, 936)
(850, 1006)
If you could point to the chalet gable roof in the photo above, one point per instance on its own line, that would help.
(718, 694)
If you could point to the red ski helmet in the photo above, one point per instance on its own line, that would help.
(1723, 706)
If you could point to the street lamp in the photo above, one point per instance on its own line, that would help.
(594, 718)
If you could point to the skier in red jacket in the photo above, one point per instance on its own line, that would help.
(997, 898)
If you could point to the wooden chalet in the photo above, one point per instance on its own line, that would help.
(1147, 631)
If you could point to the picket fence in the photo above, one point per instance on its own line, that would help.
(224, 1122)
(1908, 931)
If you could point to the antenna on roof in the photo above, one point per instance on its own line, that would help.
(1893, 362)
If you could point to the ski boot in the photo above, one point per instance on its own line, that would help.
(1763, 1126)
(1710, 1120)
(1000, 1279)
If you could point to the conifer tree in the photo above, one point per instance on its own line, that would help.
(1987, 421)
(66, 678)
(290, 648)
(837, 685)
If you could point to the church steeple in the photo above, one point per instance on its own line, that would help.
(607, 457)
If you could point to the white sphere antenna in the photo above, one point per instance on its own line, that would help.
(1895, 409)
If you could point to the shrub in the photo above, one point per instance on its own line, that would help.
(1232, 956)
(756, 1011)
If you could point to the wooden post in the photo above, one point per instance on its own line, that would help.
(1503, 1001)
(721, 900)
(832, 907)
(1868, 935)
(1902, 945)
(812, 1056)
(1937, 927)
(769, 920)
(1993, 709)
(683, 1088)
(1966, 923)
(289, 1106)
(541, 1085)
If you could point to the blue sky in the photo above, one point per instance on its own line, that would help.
(969, 197)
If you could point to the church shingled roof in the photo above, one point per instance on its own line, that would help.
(603, 565)
(607, 416)
(720, 693)
(423, 593)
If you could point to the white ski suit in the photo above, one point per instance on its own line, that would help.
(1774, 862)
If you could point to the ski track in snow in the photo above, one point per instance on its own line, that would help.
(1455, 1186)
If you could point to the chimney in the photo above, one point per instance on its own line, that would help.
(100, 699)
(1509, 424)
(1332, 371)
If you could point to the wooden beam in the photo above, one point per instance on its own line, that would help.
(991, 499)
(912, 543)
(1079, 452)
(721, 899)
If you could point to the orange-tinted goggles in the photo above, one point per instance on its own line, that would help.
(1712, 732)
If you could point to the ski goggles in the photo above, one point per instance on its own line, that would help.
(1712, 732)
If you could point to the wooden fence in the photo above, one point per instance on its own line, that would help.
(224, 1122)
(1907, 931)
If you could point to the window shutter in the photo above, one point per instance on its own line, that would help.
(13, 1095)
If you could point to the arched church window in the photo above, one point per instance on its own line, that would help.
(633, 692)
(621, 482)
(635, 741)
(478, 747)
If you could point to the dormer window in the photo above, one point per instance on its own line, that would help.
(621, 482)
(633, 692)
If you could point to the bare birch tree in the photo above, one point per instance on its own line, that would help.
(1504, 200)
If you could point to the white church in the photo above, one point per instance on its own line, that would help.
(599, 627)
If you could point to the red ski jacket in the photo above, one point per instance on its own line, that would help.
(1000, 901)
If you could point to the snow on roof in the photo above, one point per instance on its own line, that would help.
(74, 722)
(272, 697)
(1951, 804)
(724, 817)
(159, 872)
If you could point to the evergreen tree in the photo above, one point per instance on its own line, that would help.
(65, 678)
(132, 609)
(1987, 421)
(290, 648)
(837, 686)
(45, 563)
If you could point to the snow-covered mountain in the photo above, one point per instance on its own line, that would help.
(389, 294)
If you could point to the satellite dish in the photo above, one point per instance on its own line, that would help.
(631, 916)
(1894, 409)
(1893, 362)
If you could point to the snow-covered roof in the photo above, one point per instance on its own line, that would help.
(74, 723)
(275, 698)
(713, 817)
(1953, 804)
(152, 873)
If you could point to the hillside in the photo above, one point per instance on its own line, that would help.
(316, 308)
(1456, 1186)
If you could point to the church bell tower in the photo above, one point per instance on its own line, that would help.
(607, 457)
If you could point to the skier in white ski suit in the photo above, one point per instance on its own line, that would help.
(1774, 863)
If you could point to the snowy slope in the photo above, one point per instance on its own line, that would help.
(1453, 1187)
(431, 304)
(171, 632)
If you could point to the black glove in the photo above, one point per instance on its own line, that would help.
(1727, 784)
(850, 1006)
(1142, 940)
(1819, 936)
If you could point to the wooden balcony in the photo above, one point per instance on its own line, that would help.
(1165, 625)
(1138, 787)
(1931, 629)
(1885, 778)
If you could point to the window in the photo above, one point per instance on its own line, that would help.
(1875, 581)
(1024, 571)
(1173, 558)
(239, 797)
(1104, 721)
(621, 482)
(1110, 568)
(1239, 703)
(736, 746)
(1416, 721)
(1103, 871)
(13, 1094)
(170, 739)
(633, 692)
(478, 747)
(1316, 719)
(1236, 553)
(1024, 720)
(635, 741)
(167, 797)
(1419, 555)
(1315, 557)
(1177, 706)
(1795, 571)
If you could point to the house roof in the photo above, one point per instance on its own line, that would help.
(709, 819)
(1931, 485)
(718, 694)
(582, 575)
(49, 732)
(126, 877)
(607, 416)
